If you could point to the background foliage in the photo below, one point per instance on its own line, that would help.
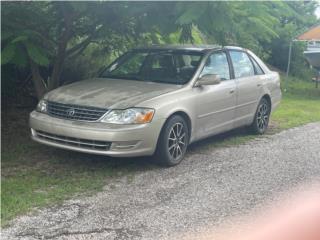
(47, 44)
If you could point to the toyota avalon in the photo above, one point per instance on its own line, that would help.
(157, 100)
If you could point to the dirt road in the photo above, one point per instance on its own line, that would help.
(206, 189)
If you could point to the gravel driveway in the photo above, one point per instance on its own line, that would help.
(206, 189)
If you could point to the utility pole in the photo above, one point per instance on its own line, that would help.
(288, 67)
(289, 58)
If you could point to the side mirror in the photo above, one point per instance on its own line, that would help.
(208, 79)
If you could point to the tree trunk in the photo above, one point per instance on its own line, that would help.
(54, 80)
(37, 80)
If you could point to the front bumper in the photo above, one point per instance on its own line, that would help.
(123, 140)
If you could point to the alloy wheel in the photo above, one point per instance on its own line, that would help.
(177, 141)
(263, 116)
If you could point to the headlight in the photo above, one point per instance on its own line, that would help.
(129, 116)
(42, 106)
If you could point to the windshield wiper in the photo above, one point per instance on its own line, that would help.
(121, 77)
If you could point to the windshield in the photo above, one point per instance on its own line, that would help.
(163, 66)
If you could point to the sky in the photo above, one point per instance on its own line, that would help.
(317, 12)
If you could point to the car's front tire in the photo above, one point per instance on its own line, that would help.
(261, 118)
(173, 141)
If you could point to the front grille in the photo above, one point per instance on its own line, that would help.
(75, 142)
(75, 112)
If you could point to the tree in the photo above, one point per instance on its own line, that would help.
(45, 34)
(42, 36)
(297, 18)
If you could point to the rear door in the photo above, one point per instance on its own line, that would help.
(248, 87)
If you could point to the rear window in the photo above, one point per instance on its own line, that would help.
(258, 69)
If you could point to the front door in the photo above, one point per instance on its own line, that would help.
(215, 104)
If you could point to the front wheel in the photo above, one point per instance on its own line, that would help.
(261, 118)
(173, 141)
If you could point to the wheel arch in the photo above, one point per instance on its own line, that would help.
(184, 115)
(268, 98)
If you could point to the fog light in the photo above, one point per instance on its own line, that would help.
(124, 145)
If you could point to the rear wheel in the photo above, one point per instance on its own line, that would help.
(173, 141)
(261, 119)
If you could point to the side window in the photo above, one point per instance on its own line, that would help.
(217, 63)
(258, 69)
(241, 64)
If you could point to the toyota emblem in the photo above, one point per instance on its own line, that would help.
(70, 112)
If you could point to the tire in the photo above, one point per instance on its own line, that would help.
(261, 118)
(172, 142)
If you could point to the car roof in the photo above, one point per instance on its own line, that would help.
(188, 47)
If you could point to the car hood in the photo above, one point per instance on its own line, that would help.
(109, 93)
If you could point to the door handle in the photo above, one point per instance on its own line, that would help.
(231, 91)
(259, 85)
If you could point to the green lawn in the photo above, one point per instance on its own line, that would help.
(34, 175)
(300, 104)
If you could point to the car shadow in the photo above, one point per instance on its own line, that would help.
(137, 164)
(220, 139)
(93, 161)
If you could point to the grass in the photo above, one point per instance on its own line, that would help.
(300, 104)
(35, 176)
